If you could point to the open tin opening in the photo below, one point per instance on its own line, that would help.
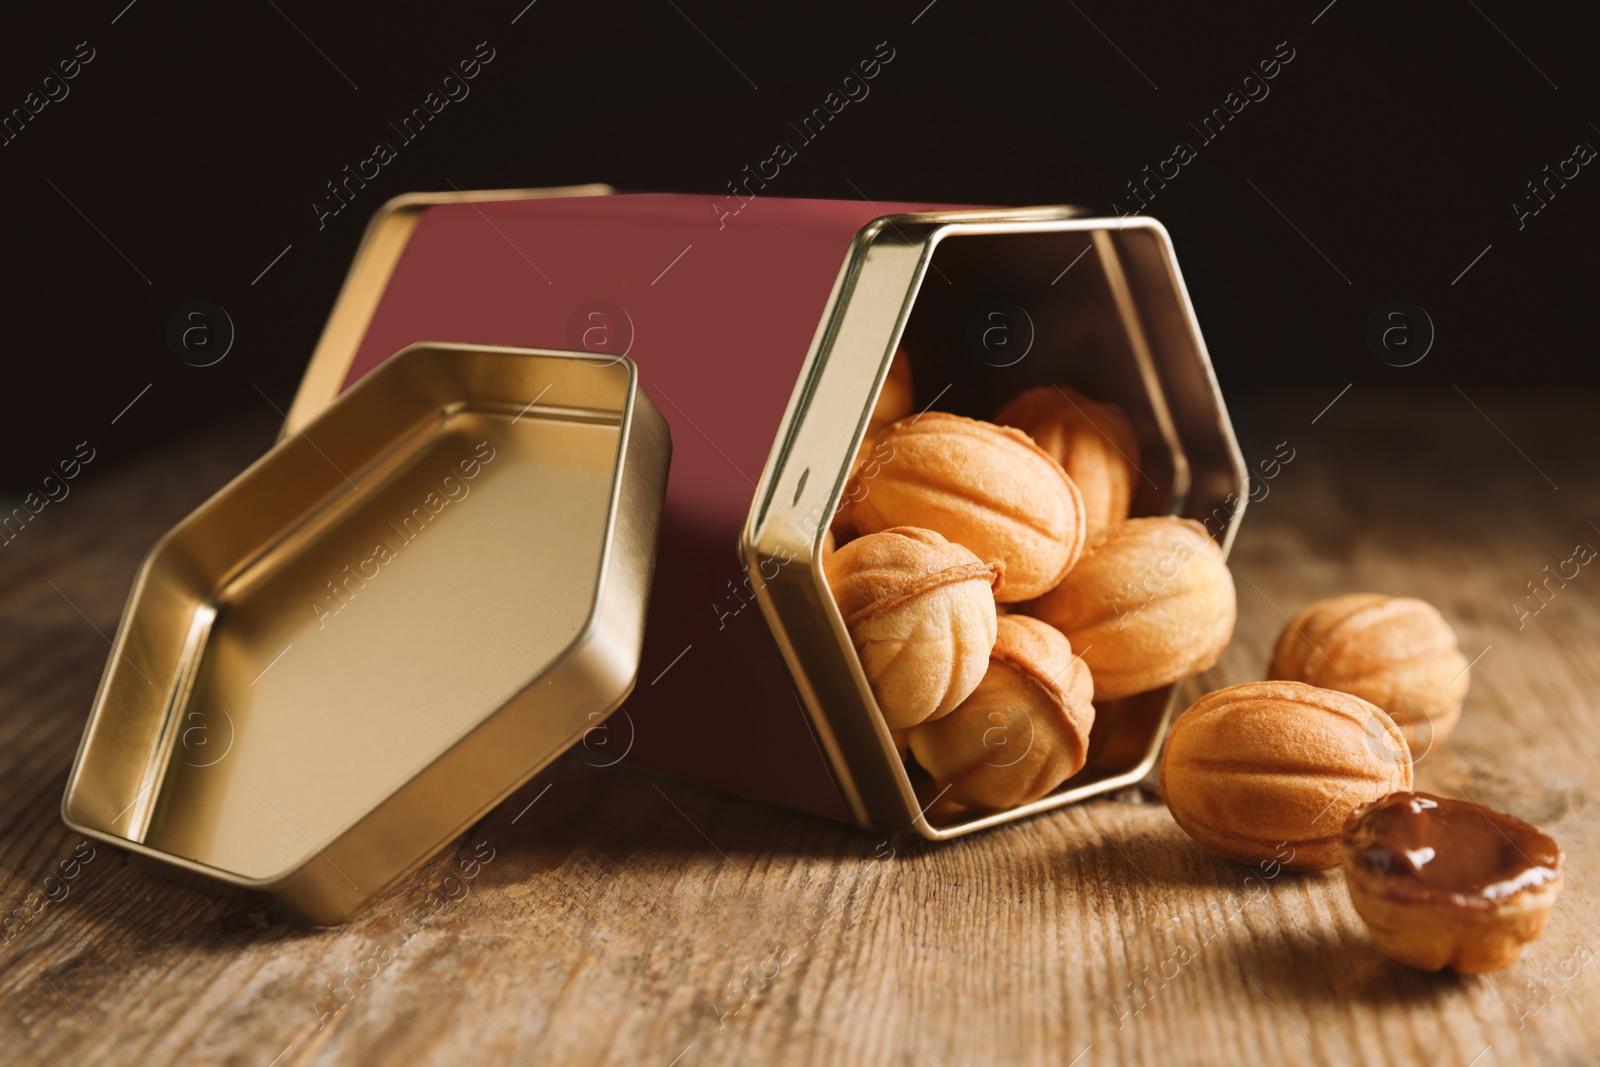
(986, 306)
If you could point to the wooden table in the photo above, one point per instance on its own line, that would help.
(629, 919)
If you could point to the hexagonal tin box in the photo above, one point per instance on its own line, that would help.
(763, 330)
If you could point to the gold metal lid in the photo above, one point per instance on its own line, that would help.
(383, 627)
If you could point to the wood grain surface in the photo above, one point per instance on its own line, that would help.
(612, 917)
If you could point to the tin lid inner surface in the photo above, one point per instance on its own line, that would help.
(432, 558)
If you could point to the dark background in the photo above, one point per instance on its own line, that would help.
(190, 150)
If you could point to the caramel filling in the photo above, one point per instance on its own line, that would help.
(1429, 849)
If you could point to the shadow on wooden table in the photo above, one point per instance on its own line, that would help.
(1339, 965)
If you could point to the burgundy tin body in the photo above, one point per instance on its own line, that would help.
(718, 311)
(763, 330)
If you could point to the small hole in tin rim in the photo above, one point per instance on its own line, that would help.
(800, 487)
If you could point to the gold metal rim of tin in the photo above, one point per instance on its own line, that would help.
(874, 300)
(385, 238)
(329, 670)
